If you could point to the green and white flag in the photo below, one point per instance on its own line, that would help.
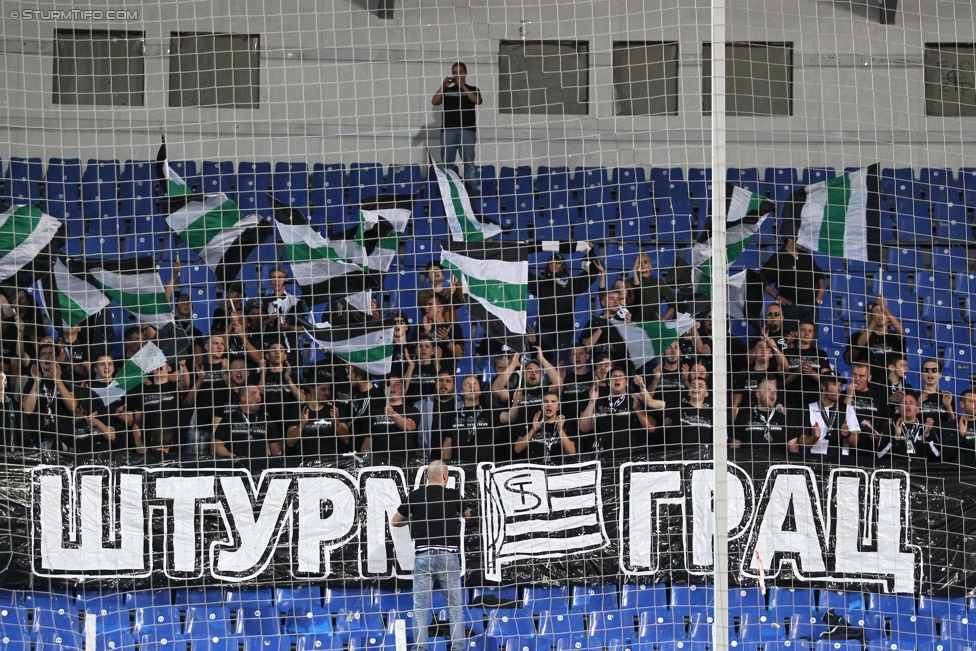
(211, 224)
(135, 370)
(76, 298)
(840, 216)
(495, 276)
(648, 339)
(135, 285)
(25, 231)
(317, 263)
(461, 221)
(376, 240)
(366, 346)
(745, 215)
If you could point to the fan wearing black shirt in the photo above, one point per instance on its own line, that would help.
(806, 363)
(934, 402)
(764, 423)
(799, 281)
(896, 385)
(691, 422)
(281, 394)
(882, 335)
(103, 427)
(48, 404)
(668, 377)
(246, 434)
(765, 360)
(474, 432)
(576, 383)
(434, 514)
(389, 424)
(357, 393)
(459, 131)
(616, 421)
(422, 379)
(505, 384)
(556, 290)
(546, 440)
(155, 407)
(600, 332)
(871, 407)
(911, 438)
(320, 431)
(211, 380)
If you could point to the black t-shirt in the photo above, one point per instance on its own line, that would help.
(279, 402)
(689, 425)
(319, 436)
(89, 438)
(435, 514)
(51, 419)
(211, 395)
(159, 404)
(610, 337)
(755, 428)
(424, 381)
(618, 429)
(875, 352)
(805, 388)
(546, 445)
(247, 436)
(576, 393)
(473, 434)
(670, 386)
(387, 437)
(459, 110)
(744, 383)
(795, 278)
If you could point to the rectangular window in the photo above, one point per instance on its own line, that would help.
(950, 79)
(221, 70)
(544, 77)
(759, 78)
(99, 67)
(645, 78)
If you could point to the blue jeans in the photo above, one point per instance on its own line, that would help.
(463, 140)
(446, 568)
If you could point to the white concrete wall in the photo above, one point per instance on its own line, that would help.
(340, 84)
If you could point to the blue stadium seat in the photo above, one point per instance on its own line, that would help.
(365, 180)
(967, 179)
(812, 175)
(630, 183)
(508, 623)
(386, 600)
(784, 602)
(744, 177)
(99, 189)
(327, 193)
(351, 600)
(591, 185)
(941, 307)
(553, 186)
(218, 176)
(674, 216)
(636, 218)
(290, 183)
(593, 598)
(136, 196)
(156, 616)
(319, 642)
(62, 194)
(690, 598)
(405, 179)
(536, 599)
(554, 224)
(950, 259)
(912, 221)
(755, 627)
(662, 177)
(146, 598)
(253, 186)
(22, 181)
(487, 183)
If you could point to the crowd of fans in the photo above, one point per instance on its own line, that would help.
(249, 390)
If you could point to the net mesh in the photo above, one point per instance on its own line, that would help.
(263, 264)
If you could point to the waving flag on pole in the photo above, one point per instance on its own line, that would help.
(648, 339)
(495, 275)
(464, 226)
(135, 370)
(74, 298)
(210, 224)
(26, 233)
(133, 283)
(840, 216)
(745, 216)
(320, 266)
(368, 346)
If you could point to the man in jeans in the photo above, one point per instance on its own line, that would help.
(434, 513)
(458, 130)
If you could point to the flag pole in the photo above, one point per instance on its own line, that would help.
(720, 273)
